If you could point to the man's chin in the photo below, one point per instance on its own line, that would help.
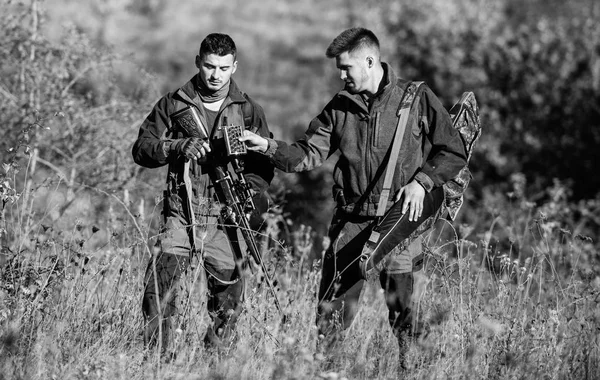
(215, 87)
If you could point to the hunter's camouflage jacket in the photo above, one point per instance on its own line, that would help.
(156, 132)
(432, 151)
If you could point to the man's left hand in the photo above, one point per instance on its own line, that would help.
(414, 194)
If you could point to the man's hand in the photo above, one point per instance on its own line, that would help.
(254, 142)
(192, 148)
(414, 194)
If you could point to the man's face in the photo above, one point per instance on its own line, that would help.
(353, 71)
(215, 70)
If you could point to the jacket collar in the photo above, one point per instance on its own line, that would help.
(389, 78)
(188, 92)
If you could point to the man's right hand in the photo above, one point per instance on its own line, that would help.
(254, 142)
(193, 148)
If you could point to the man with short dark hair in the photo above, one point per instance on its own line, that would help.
(192, 214)
(359, 123)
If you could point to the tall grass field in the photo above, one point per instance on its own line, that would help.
(70, 307)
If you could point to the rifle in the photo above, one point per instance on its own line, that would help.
(237, 197)
(234, 190)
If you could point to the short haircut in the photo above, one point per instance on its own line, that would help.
(219, 44)
(351, 40)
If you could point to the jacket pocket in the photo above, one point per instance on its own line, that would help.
(377, 135)
(417, 127)
(424, 124)
(173, 205)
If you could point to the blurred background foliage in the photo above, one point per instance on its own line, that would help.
(88, 73)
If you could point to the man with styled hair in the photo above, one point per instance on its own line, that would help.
(351, 40)
(191, 214)
(359, 123)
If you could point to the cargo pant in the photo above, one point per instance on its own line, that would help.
(401, 278)
(339, 297)
(212, 278)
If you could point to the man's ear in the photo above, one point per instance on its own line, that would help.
(198, 61)
(234, 67)
(370, 61)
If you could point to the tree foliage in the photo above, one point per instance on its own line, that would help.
(534, 68)
(68, 110)
(535, 73)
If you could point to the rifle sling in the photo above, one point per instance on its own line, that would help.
(188, 188)
(403, 114)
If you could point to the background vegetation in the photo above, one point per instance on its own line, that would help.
(513, 284)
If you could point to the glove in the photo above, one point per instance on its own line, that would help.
(189, 147)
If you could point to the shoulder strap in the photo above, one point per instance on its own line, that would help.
(247, 111)
(404, 109)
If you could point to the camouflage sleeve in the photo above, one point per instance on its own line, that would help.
(447, 156)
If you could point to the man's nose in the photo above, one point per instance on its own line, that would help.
(343, 75)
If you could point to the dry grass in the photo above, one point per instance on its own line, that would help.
(70, 313)
(71, 273)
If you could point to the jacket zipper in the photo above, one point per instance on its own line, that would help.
(377, 128)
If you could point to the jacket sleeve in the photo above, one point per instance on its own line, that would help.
(447, 155)
(150, 149)
(258, 169)
(310, 151)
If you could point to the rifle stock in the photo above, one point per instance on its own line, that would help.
(188, 188)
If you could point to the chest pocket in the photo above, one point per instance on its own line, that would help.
(172, 131)
(380, 138)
